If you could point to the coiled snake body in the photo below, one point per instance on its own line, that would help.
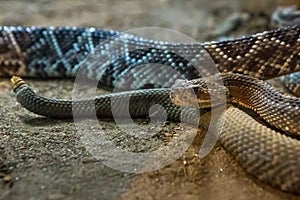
(62, 52)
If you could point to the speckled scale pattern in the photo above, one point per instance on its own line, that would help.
(279, 110)
(46, 52)
(262, 55)
(116, 59)
(268, 155)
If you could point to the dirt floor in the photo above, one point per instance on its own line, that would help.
(45, 159)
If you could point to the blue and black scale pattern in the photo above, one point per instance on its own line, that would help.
(128, 61)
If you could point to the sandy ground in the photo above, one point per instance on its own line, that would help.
(45, 159)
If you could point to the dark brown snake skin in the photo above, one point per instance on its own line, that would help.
(265, 153)
(250, 93)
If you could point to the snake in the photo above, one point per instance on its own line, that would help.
(267, 153)
(114, 59)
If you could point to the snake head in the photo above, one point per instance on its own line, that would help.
(184, 93)
(203, 92)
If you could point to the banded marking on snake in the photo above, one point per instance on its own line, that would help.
(263, 55)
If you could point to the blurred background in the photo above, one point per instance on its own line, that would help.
(199, 19)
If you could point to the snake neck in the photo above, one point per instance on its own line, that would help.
(277, 109)
(249, 92)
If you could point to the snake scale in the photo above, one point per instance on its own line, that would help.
(60, 52)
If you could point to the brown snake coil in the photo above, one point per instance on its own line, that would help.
(269, 155)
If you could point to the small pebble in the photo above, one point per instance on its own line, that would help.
(7, 178)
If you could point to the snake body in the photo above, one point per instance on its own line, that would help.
(52, 52)
(114, 58)
(267, 153)
(270, 156)
(277, 109)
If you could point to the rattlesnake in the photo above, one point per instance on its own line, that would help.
(56, 52)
